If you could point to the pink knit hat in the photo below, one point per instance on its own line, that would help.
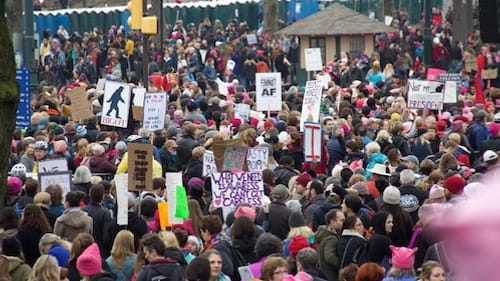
(302, 276)
(402, 257)
(90, 262)
(245, 211)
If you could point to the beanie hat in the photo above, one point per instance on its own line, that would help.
(456, 125)
(304, 179)
(395, 117)
(280, 192)
(98, 150)
(296, 219)
(494, 129)
(15, 185)
(195, 181)
(60, 146)
(455, 184)
(11, 247)
(245, 211)
(361, 188)
(402, 257)
(436, 192)
(391, 195)
(90, 262)
(298, 243)
(197, 241)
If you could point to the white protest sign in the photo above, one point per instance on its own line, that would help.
(388, 20)
(230, 65)
(100, 84)
(451, 86)
(257, 115)
(313, 59)
(242, 111)
(138, 99)
(53, 166)
(209, 166)
(424, 94)
(312, 141)
(268, 91)
(326, 80)
(231, 189)
(251, 39)
(116, 104)
(63, 179)
(155, 107)
(121, 183)
(257, 159)
(311, 103)
(222, 86)
(172, 180)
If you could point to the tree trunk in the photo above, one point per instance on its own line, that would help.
(156, 11)
(9, 99)
(271, 16)
(14, 9)
(389, 8)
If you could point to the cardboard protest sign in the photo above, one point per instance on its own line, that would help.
(425, 94)
(138, 103)
(311, 103)
(80, 105)
(313, 60)
(116, 104)
(231, 189)
(234, 158)
(257, 159)
(242, 111)
(121, 183)
(140, 166)
(155, 108)
(312, 141)
(268, 91)
(53, 166)
(209, 166)
(172, 180)
(63, 179)
(219, 149)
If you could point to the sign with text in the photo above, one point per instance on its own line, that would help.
(231, 189)
(116, 104)
(257, 159)
(138, 103)
(23, 113)
(311, 103)
(53, 166)
(140, 166)
(209, 166)
(63, 179)
(219, 148)
(451, 86)
(242, 111)
(155, 107)
(172, 180)
(251, 39)
(121, 183)
(425, 94)
(80, 106)
(313, 60)
(312, 141)
(234, 158)
(268, 91)
(433, 73)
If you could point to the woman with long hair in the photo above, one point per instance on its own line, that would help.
(123, 258)
(81, 242)
(196, 216)
(377, 247)
(32, 227)
(45, 269)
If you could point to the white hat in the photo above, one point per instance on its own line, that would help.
(391, 195)
(379, 169)
(489, 155)
(496, 118)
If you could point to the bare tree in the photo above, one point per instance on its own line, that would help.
(14, 9)
(271, 16)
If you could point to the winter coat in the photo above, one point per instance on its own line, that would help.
(283, 175)
(72, 222)
(99, 164)
(374, 158)
(103, 276)
(402, 144)
(126, 271)
(29, 238)
(326, 244)
(349, 247)
(246, 248)
(184, 152)
(278, 219)
(101, 220)
(310, 208)
(51, 218)
(74, 274)
(336, 151)
(18, 270)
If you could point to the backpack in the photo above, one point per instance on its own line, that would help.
(175, 273)
(238, 261)
(358, 256)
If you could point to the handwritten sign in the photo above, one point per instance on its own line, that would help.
(433, 73)
(63, 179)
(219, 149)
(234, 158)
(172, 180)
(116, 104)
(451, 86)
(121, 183)
(80, 106)
(231, 189)
(209, 166)
(155, 107)
(268, 91)
(53, 166)
(425, 94)
(140, 166)
(257, 159)
(313, 59)
(312, 142)
(311, 103)
(242, 111)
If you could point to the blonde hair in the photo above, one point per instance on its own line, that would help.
(169, 239)
(51, 238)
(45, 268)
(372, 147)
(198, 152)
(123, 246)
(301, 230)
(454, 137)
(383, 135)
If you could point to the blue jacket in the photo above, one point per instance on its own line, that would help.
(375, 158)
(336, 151)
(477, 134)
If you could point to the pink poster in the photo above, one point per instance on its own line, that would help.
(432, 73)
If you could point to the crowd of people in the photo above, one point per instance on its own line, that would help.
(368, 210)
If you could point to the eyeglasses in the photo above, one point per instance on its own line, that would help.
(279, 272)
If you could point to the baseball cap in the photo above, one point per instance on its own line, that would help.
(489, 155)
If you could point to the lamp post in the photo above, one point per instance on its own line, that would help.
(427, 33)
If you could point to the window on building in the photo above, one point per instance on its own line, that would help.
(356, 45)
(319, 42)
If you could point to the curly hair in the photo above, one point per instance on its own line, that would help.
(33, 216)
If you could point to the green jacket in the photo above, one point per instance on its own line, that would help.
(326, 244)
(18, 270)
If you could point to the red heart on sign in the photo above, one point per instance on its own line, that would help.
(217, 202)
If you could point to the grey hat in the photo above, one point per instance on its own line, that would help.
(391, 195)
(411, 158)
(121, 146)
(172, 131)
(280, 192)
(296, 219)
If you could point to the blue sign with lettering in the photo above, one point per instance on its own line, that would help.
(23, 109)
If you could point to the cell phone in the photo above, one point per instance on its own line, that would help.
(245, 273)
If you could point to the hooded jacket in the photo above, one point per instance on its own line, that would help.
(163, 266)
(103, 276)
(72, 222)
(18, 270)
(350, 247)
(326, 245)
(377, 247)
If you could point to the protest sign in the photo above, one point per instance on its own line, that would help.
(312, 141)
(257, 115)
(231, 189)
(451, 86)
(219, 149)
(222, 87)
(325, 78)
(80, 105)
(268, 91)
(242, 111)
(140, 166)
(172, 180)
(53, 166)
(425, 94)
(257, 159)
(121, 183)
(116, 104)
(432, 73)
(234, 158)
(63, 179)
(138, 103)
(23, 113)
(100, 84)
(155, 107)
(313, 59)
(311, 103)
(251, 39)
(209, 166)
